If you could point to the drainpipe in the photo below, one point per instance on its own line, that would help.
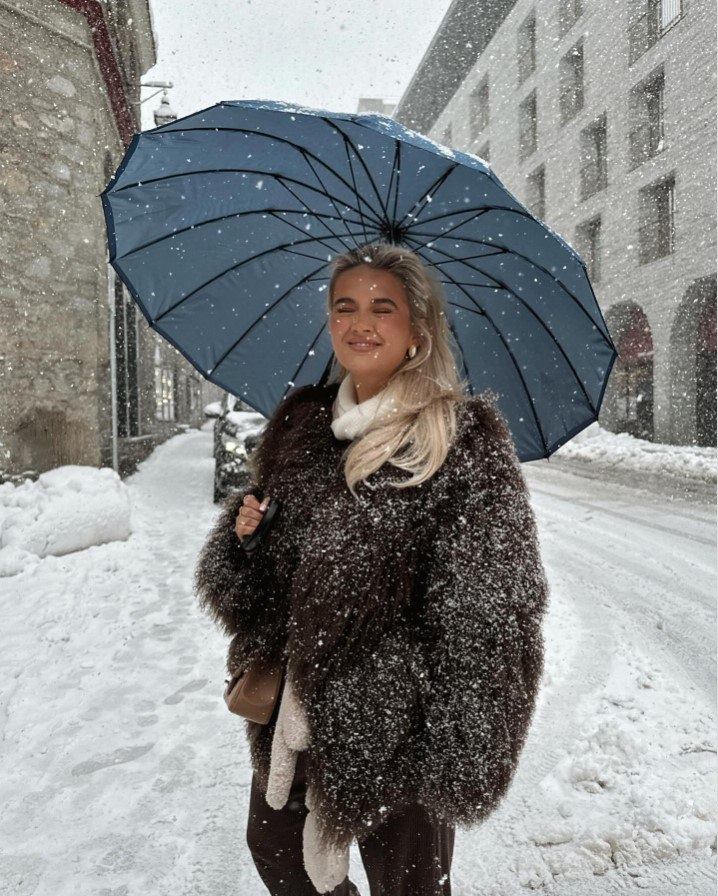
(113, 362)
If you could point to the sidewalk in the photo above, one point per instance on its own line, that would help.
(677, 472)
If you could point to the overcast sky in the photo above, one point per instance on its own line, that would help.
(323, 53)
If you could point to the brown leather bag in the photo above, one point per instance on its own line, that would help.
(253, 695)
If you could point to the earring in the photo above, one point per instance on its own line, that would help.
(411, 352)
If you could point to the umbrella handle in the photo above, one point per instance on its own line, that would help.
(250, 542)
(325, 375)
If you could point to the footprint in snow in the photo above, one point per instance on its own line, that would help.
(178, 696)
(106, 760)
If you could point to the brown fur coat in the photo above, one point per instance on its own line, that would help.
(410, 620)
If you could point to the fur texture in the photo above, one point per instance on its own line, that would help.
(410, 619)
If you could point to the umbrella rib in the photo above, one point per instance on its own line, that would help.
(291, 143)
(311, 346)
(542, 323)
(508, 351)
(356, 189)
(391, 179)
(321, 184)
(464, 363)
(466, 258)
(479, 209)
(454, 282)
(435, 186)
(318, 239)
(309, 211)
(469, 239)
(155, 180)
(261, 211)
(263, 314)
(347, 139)
(233, 268)
(536, 316)
(397, 167)
(302, 255)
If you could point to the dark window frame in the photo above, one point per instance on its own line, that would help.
(594, 157)
(526, 48)
(572, 79)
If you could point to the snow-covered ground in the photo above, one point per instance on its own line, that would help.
(621, 450)
(124, 774)
(67, 509)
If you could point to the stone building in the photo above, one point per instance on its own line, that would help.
(70, 75)
(375, 104)
(604, 126)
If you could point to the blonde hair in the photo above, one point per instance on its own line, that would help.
(426, 387)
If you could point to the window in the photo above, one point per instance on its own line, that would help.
(632, 375)
(647, 116)
(670, 12)
(128, 423)
(594, 158)
(657, 220)
(527, 126)
(526, 49)
(479, 108)
(652, 19)
(571, 83)
(164, 388)
(164, 393)
(588, 246)
(193, 390)
(569, 12)
(536, 192)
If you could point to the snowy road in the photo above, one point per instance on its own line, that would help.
(124, 774)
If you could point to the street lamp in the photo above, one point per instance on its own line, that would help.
(161, 84)
(164, 113)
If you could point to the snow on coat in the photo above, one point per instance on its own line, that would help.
(410, 619)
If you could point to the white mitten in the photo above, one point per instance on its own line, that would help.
(326, 868)
(295, 725)
(291, 734)
(283, 761)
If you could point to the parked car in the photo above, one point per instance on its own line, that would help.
(236, 430)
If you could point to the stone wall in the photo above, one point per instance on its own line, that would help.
(58, 139)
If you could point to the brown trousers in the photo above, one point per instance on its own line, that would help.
(409, 854)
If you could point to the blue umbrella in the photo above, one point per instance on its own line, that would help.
(222, 225)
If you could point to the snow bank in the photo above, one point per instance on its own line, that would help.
(248, 422)
(621, 449)
(67, 509)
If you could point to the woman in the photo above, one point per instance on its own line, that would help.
(402, 586)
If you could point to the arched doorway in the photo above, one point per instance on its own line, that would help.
(632, 374)
(706, 376)
(693, 365)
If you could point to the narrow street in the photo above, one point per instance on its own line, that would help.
(133, 778)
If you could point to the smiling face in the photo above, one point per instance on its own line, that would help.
(370, 326)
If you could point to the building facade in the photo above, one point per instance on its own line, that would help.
(375, 104)
(601, 119)
(72, 342)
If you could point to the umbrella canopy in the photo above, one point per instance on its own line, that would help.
(223, 224)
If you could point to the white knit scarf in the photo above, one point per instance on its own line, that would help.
(352, 418)
(326, 869)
